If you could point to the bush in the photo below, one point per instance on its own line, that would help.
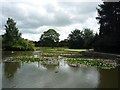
(22, 45)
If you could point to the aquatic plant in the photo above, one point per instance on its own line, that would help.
(29, 59)
(45, 61)
(94, 63)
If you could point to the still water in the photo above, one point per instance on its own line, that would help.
(37, 75)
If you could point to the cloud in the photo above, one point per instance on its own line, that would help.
(34, 17)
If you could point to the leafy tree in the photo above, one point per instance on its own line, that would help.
(88, 38)
(109, 20)
(12, 34)
(49, 38)
(76, 39)
(12, 38)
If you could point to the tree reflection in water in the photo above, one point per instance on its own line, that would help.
(10, 68)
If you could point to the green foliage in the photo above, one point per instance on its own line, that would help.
(12, 38)
(76, 39)
(109, 20)
(88, 38)
(12, 34)
(81, 39)
(23, 45)
(63, 43)
(49, 38)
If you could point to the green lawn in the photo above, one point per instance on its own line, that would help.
(49, 49)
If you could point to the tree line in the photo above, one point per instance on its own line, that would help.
(12, 39)
(76, 39)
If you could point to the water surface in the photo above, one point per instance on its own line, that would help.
(37, 75)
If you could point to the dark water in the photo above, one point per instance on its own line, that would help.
(36, 75)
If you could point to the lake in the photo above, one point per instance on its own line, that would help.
(38, 75)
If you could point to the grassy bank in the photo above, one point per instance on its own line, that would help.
(58, 51)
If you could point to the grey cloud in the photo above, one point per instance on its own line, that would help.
(60, 18)
(29, 31)
(30, 18)
(80, 10)
(50, 8)
(79, 7)
(12, 9)
(33, 19)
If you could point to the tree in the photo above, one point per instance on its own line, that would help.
(37, 43)
(76, 39)
(12, 38)
(109, 20)
(49, 38)
(63, 43)
(88, 38)
(95, 40)
(12, 34)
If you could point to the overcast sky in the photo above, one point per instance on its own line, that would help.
(33, 17)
